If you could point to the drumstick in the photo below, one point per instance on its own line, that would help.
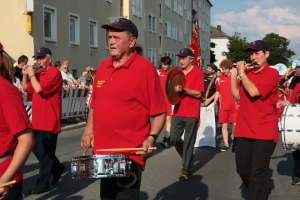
(86, 150)
(8, 183)
(127, 149)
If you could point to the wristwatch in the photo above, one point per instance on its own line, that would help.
(154, 137)
(31, 76)
(241, 74)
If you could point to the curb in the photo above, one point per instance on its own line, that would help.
(73, 126)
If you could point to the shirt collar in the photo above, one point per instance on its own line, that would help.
(127, 63)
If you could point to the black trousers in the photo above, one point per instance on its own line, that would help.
(122, 188)
(44, 150)
(185, 148)
(252, 162)
(15, 193)
(296, 156)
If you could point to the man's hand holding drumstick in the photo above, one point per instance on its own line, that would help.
(87, 139)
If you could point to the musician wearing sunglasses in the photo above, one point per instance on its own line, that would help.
(256, 130)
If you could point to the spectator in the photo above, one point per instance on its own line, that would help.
(22, 60)
(57, 65)
(68, 78)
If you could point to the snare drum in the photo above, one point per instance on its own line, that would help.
(100, 166)
(290, 127)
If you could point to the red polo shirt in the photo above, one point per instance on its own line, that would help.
(257, 117)
(123, 100)
(190, 106)
(46, 105)
(223, 85)
(13, 120)
(295, 98)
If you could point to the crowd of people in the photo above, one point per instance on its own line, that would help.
(125, 95)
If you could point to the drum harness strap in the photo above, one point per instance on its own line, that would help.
(209, 86)
(6, 156)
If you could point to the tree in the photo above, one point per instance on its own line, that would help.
(279, 51)
(236, 48)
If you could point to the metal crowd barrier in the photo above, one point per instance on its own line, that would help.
(73, 103)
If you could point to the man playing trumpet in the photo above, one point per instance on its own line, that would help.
(256, 130)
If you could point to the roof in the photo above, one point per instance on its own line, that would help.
(217, 32)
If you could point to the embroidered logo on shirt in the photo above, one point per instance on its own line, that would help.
(99, 83)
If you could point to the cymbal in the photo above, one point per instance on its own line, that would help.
(174, 77)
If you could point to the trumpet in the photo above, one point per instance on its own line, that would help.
(250, 65)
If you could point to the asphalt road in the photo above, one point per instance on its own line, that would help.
(214, 176)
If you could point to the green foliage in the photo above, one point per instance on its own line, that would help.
(279, 51)
(236, 48)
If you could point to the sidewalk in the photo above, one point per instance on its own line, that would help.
(71, 123)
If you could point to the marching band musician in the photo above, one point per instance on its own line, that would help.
(46, 87)
(186, 114)
(296, 153)
(126, 93)
(256, 126)
(162, 74)
(15, 131)
(228, 108)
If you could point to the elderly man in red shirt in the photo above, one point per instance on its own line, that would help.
(256, 130)
(46, 86)
(126, 93)
(186, 114)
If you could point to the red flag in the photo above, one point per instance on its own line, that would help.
(195, 46)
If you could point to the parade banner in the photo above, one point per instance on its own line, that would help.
(195, 46)
(206, 134)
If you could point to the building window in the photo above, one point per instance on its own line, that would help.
(174, 32)
(109, 1)
(152, 55)
(160, 45)
(160, 12)
(93, 33)
(184, 4)
(189, 15)
(152, 23)
(188, 39)
(180, 8)
(137, 8)
(168, 3)
(180, 34)
(174, 5)
(168, 29)
(74, 29)
(50, 24)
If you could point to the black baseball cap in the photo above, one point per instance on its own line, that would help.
(213, 66)
(258, 45)
(42, 52)
(123, 24)
(185, 52)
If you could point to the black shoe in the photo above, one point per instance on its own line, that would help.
(56, 178)
(224, 148)
(295, 181)
(164, 143)
(40, 190)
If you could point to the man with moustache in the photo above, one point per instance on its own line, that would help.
(209, 83)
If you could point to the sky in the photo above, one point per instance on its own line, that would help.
(255, 19)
